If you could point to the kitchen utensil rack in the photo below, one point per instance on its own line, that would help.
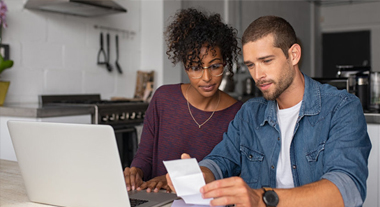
(123, 31)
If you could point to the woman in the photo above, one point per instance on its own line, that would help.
(189, 117)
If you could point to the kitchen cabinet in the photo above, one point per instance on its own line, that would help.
(373, 181)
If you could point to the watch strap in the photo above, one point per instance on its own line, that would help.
(267, 189)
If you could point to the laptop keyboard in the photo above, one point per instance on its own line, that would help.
(136, 202)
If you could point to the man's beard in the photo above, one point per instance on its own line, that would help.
(285, 81)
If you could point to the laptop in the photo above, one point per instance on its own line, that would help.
(75, 165)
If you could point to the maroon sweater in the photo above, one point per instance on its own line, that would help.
(170, 131)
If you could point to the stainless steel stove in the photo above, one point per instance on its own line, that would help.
(124, 112)
(122, 115)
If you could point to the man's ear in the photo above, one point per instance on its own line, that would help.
(295, 53)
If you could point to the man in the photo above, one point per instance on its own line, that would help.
(305, 142)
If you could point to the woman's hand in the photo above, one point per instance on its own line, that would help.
(133, 178)
(155, 184)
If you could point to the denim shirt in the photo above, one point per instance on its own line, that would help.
(330, 141)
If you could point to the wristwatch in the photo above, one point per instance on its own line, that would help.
(270, 197)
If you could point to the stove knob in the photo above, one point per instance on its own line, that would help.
(139, 115)
(105, 118)
(126, 115)
(122, 116)
(133, 115)
(112, 117)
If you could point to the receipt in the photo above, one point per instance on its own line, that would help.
(181, 203)
(187, 179)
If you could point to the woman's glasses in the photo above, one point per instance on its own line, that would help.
(216, 70)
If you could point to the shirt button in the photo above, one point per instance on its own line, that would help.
(272, 166)
(278, 138)
(294, 166)
(250, 156)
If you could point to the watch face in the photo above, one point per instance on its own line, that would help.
(270, 198)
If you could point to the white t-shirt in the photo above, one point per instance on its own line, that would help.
(287, 119)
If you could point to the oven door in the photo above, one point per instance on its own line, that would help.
(127, 143)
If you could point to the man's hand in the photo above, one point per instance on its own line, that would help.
(156, 183)
(133, 177)
(231, 191)
(170, 184)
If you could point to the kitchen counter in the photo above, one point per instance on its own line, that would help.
(37, 111)
(12, 189)
(372, 118)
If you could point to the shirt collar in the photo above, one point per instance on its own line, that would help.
(311, 102)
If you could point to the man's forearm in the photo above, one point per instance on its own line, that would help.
(207, 174)
(319, 194)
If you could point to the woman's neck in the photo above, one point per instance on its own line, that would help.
(201, 102)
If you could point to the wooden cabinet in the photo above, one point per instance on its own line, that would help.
(373, 182)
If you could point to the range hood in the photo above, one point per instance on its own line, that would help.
(85, 8)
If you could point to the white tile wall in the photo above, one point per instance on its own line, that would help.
(25, 84)
(103, 82)
(42, 55)
(63, 81)
(56, 53)
(152, 46)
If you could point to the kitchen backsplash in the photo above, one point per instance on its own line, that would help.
(57, 54)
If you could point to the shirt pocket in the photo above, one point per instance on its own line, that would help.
(252, 162)
(315, 159)
(314, 154)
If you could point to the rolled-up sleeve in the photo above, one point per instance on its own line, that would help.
(347, 151)
(347, 188)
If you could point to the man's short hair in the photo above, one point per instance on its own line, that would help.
(283, 33)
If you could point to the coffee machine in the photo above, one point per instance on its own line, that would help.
(374, 92)
(358, 80)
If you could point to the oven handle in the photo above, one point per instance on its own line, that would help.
(96, 115)
(132, 129)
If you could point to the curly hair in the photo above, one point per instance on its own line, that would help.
(191, 30)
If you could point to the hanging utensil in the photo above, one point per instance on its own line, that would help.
(108, 65)
(101, 52)
(117, 55)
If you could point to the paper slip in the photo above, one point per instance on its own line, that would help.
(187, 179)
(181, 203)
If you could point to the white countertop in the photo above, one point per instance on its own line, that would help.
(12, 189)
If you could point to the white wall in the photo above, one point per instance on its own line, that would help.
(152, 27)
(172, 73)
(354, 17)
(56, 53)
